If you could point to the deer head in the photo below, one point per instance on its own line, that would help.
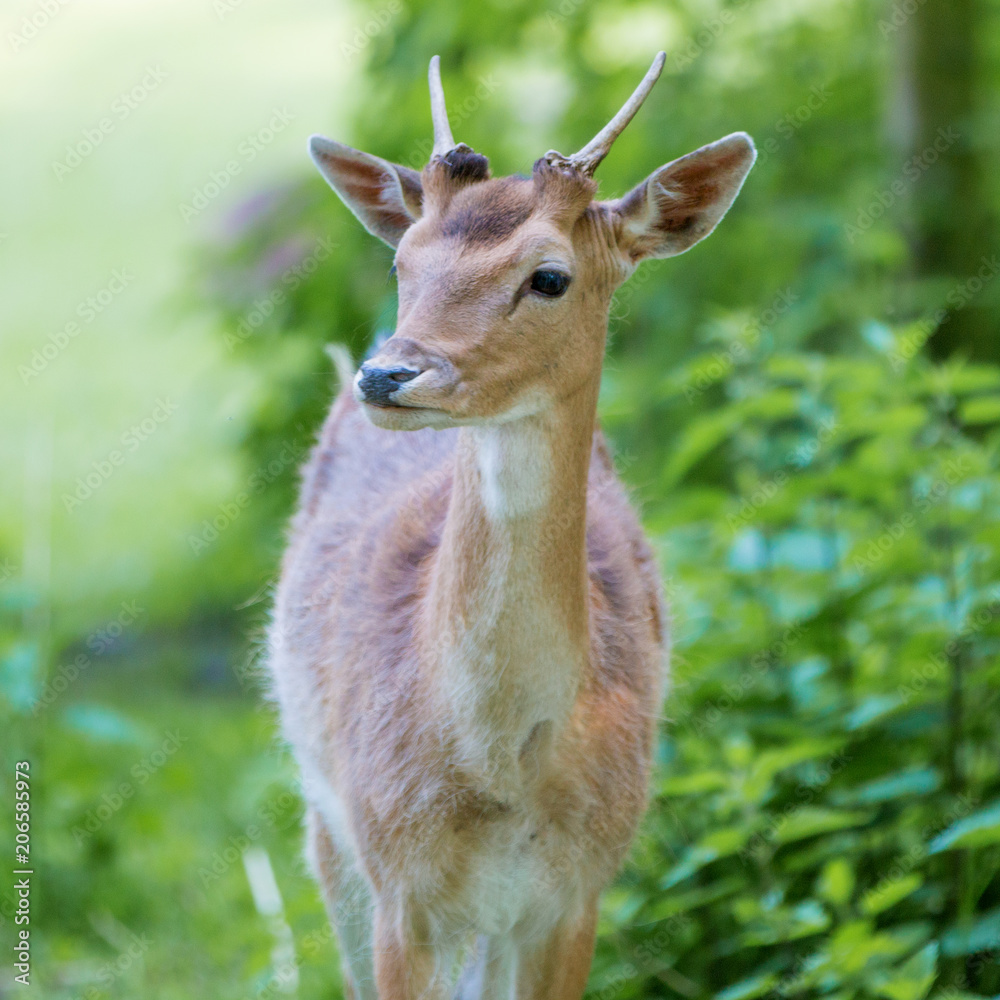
(505, 283)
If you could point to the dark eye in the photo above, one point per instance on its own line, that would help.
(550, 283)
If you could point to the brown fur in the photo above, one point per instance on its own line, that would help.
(508, 209)
(369, 548)
(469, 641)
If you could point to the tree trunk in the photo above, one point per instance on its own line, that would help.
(955, 228)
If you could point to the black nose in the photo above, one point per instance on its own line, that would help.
(378, 384)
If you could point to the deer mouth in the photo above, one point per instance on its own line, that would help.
(398, 401)
(403, 416)
(395, 407)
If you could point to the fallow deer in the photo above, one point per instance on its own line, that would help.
(469, 644)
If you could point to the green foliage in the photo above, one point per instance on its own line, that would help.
(820, 482)
(141, 812)
(831, 735)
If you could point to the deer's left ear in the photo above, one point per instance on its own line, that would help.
(385, 197)
(682, 202)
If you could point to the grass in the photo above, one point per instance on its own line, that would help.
(149, 794)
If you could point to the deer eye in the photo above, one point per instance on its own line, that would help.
(549, 283)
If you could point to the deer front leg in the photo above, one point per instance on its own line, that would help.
(557, 968)
(348, 903)
(407, 965)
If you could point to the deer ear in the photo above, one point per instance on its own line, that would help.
(682, 202)
(385, 197)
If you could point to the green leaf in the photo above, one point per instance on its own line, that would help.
(981, 410)
(872, 708)
(697, 440)
(787, 924)
(772, 762)
(680, 902)
(809, 821)
(977, 830)
(902, 785)
(972, 936)
(102, 724)
(902, 419)
(620, 905)
(889, 892)
(693, 784)
(714, 845)
(856, 945)
(970, 378)
(746, 989)
(20, 673)
(836, 883)
(913, 979)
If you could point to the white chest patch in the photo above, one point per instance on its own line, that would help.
(514, 466)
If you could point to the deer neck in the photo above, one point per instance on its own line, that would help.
(508, 622)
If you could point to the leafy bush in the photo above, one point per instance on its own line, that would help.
(827, 813)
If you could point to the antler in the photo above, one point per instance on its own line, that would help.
(587, 159)
(444, 143)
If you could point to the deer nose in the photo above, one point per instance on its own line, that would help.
(378, 384)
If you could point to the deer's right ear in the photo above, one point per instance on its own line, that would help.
(385, 197)
(682, 202)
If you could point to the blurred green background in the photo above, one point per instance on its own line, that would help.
(806, 409)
